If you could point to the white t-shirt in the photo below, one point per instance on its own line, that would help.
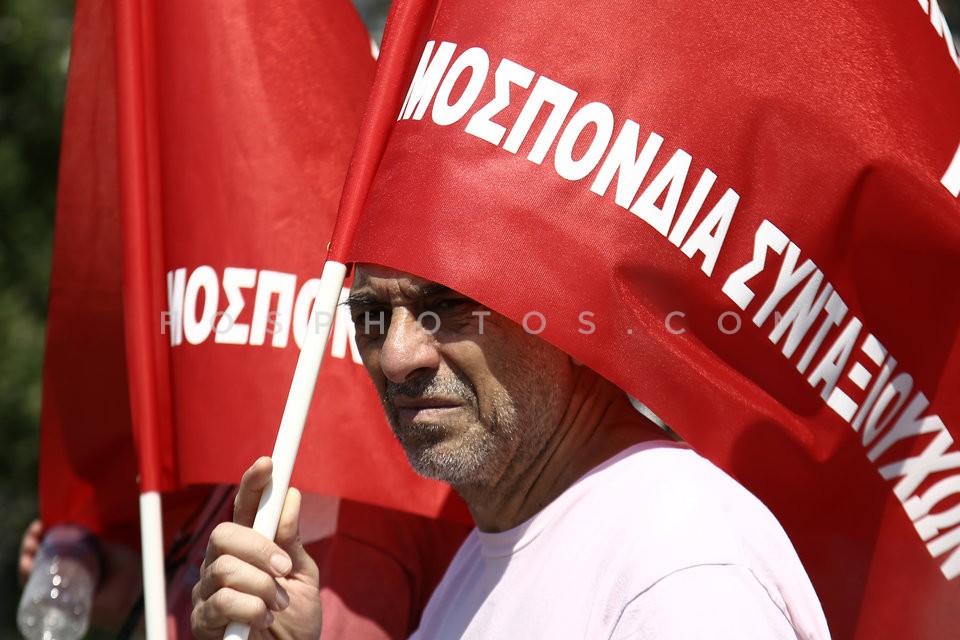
(654, 543)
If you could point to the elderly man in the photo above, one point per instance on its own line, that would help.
(590, 522)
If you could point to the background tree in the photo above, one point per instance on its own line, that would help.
(34, 54)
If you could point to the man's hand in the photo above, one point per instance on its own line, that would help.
(29, 545)
(273, 587)
(120, 577)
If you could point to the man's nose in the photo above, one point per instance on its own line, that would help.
(408, 348)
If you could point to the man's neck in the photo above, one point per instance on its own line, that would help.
(598, 424)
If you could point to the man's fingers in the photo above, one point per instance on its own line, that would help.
(288, 537)
(29, 545)
(288, 529)
(248, 545)
(212, 616)
(251, 487)
(230, 574)
(32, 536)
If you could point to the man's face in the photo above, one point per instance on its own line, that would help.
(467, 392)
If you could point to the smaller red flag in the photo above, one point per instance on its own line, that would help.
(256, 112)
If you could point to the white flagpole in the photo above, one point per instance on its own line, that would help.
(154, 572)
(295, 411)
(134, 160)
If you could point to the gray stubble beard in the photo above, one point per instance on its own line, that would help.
(500, 445)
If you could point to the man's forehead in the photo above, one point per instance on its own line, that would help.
(392, 283)
(366, 271)
(369, 274)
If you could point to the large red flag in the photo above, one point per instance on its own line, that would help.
(251, 112)
(744, 214)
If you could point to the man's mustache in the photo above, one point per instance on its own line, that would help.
(430, 387)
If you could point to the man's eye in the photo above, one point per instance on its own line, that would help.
(448, 304)
(372, 322)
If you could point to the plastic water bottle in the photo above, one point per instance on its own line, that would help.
(58, 596)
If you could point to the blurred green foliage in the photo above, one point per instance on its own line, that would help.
(34, 50)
